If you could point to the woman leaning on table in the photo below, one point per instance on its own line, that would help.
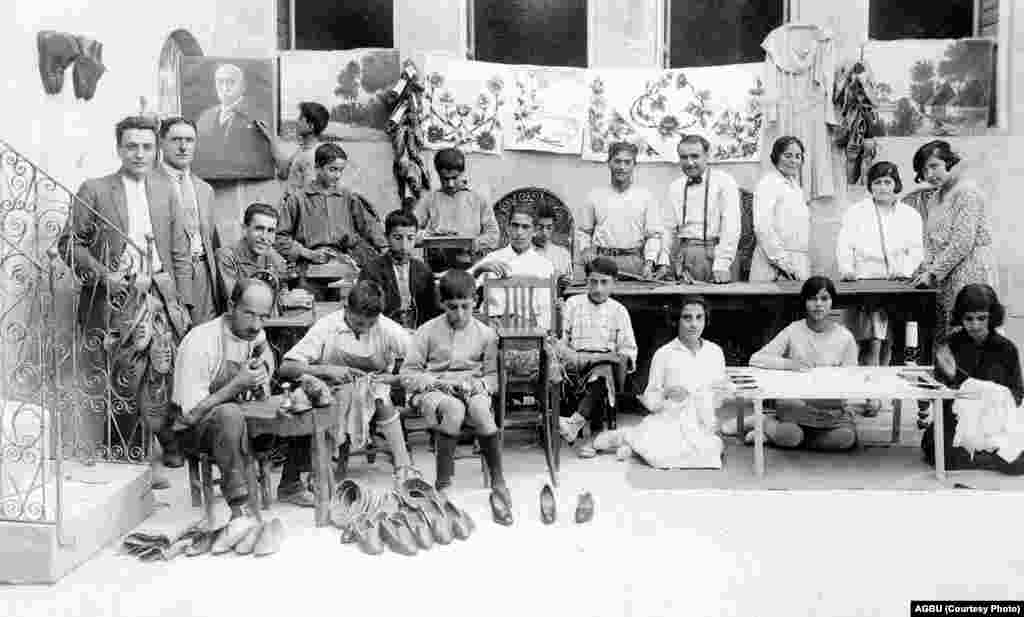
(958, 235)
(781, 218)
(814, 341)
(880, 239)
(976, 351)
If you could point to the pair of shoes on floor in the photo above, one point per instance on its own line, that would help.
(300, 496)
(501, 506)
(548, 512)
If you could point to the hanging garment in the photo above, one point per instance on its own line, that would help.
(855, 100)
(799, 73)
(989, 420)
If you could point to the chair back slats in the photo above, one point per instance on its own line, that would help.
(520, 294)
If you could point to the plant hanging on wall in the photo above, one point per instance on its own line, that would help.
(406, 132)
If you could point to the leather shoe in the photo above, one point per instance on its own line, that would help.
(394, 530)
(585, 508)
(501, 507)
(303, 497)
(460, 527)
(248, 543)
(368, 533)
(548, 511)
(203, 542)
(349, 500)
(270, 539)
(419, 524)
(236, 529)
(440, 525)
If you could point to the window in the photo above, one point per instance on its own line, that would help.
(921, 19)
(543, 32)
(715, 32)
(179, 44)
(339, 24)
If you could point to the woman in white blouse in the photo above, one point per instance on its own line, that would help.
(881, 238)
(684, 388)
(781, 219)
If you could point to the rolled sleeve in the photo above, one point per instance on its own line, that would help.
(193, 372)
(729, 223)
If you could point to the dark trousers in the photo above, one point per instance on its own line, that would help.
(222, 434)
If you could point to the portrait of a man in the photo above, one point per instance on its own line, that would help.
(225, 97)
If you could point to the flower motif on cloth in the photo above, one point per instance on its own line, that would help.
(463, 104)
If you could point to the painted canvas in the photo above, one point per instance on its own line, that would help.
(225, 97)
(463, 103)
(654, 108)
(351, 84)
(926, 88)
(546, 109)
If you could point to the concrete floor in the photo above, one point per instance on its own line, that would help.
(646, 553)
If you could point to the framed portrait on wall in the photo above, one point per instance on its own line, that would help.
(225, 97)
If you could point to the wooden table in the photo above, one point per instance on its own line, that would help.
(446, 242)
(301, 318)
(757, 385)
(746, 315)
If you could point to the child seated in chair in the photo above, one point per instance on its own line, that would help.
(355, 350)
(598, 350)
(451, 373)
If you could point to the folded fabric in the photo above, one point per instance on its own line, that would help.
(988, 420)
(162, 539)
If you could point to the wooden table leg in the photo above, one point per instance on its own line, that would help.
(759, 437)
(940, 440)
(206, 472)
(254, 487)
(897, 418)
(320, 458)
(739, 420)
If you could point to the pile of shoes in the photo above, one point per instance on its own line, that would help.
(245, 535)
(406, 520)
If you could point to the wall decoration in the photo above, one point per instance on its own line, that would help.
(351, 84)
(225, 97)
(937, 88)
(546, 109)
(462, 103)
(654, 108)
(406, 131)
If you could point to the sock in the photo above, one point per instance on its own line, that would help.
(445, 460)
(491, 450)
(393, 433)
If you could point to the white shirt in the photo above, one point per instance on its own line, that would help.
(558, 256)
(598, 327)
(628, 220)
(402, 281)
(722, 195)
(202, 354)
(139, 224)
(859, 247)
(674, 365)
(782, 222)
(527, 263)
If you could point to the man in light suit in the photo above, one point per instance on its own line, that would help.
(178, 149)
(232, 145)
(126, 232)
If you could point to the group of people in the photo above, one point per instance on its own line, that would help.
(151, 223)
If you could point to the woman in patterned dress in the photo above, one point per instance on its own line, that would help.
(958, 233)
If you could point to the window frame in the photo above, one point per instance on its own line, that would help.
(666, 25)
(292, 36)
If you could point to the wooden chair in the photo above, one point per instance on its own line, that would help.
(519, 330)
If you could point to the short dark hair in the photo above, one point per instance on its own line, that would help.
(691, 299)
(623, 146)
(316, 114)
(243, 284)
(939, 149)
(457, 285)
(546, 211)
(450, 159)
(978, 297)
(526, 209)
(781, 144)
(400, 218)
(815, 284)
(885, 169)
(602, 265)
(139, 123)
(168, 123)
(366, 298)
(259, 208)
(693, 138)
(328, 153)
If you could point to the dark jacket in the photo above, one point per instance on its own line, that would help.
(422, 286)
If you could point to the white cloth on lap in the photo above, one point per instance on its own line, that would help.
(989, 420)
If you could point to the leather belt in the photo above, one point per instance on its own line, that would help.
(610, 252)
(698, 241)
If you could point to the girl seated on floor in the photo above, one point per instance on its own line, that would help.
(685, 376)
(816, 340)
(975, 351)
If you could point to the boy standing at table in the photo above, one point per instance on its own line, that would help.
(597, 348)
(451, 372)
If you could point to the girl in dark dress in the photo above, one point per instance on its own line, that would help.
(976, 351)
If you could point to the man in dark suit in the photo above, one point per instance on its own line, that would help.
(410, 292)
(231, 143)
(125, 240)
(178, 149)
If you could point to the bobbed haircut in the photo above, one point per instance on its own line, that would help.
(939, 149)
(815, 284)
(328, 153)
(602, 265)
(696, 300)
(316, 115)
(259, 208)
(450, 159)
(780, 145)
(400, 218)
(885, 169)
(457, 285)
(976, 298)
(366, 299)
